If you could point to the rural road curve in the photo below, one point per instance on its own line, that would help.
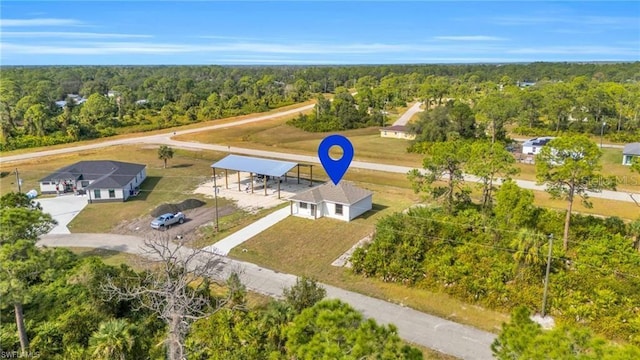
(448, 337)
(166, 139)
(404, 119)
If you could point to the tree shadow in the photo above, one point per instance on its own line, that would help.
(4, 174)
(178, 166)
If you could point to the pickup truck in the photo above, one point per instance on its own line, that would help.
(163, 222)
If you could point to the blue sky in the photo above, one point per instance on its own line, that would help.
(304, 32)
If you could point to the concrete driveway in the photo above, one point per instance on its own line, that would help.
(63, 209)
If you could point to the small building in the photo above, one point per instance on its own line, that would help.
(102, 180)
(533, 146)
(397, 131)
(629, 152)
(344, 201)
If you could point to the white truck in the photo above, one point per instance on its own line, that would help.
(164, 221)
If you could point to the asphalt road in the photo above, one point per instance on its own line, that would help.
(448, 337)
(166, 139)
(404, 118)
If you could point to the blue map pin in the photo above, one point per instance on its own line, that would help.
(335, 168)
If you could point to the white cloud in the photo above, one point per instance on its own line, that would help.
(69, 35)
(578, 50)
(39, 22)
(470, 38)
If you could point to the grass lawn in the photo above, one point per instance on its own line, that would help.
(111, 257)
(611, 166)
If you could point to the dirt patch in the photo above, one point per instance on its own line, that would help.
(174, 208)
(195, 219)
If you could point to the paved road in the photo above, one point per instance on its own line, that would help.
(404, 119)
(153, 139)
(167, 140)
(461, 341)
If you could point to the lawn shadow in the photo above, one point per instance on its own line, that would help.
(4, 174)
(146, 188)
(179, 166)
(375, 208)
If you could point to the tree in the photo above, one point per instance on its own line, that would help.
(514, 206)
(305, 293)
(97, 111)
(332, 329)
(165, 153)
(569, 167)
(490, 162)
(113, 340)
(170, 291)
(20, 261)
(34, 118)
(444, 161)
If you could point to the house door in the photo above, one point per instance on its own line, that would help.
(313, 210)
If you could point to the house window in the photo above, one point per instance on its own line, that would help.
(45, 183)
(303, 205)
(112, 193)
(96, 194)
(338, 209)
(84, 183)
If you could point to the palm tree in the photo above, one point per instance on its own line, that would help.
(165, 153)
(528, 245)
(113, 340)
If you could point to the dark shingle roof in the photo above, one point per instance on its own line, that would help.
(344, 193)
(632, 149)
(394, 128)
(104, 173)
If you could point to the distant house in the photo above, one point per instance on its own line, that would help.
(344, 201)
(525, 84)
(77, 100)
(102, 180)
(629, 152)
(533, 146)
(397, 131)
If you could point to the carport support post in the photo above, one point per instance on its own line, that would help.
(226, 179)
(215, 196)
(278, 187)
(251, 176)
(298, 173)
(265, 185)
(239, 181)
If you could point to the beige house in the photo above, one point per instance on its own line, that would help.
(397, 131)
(344, 201)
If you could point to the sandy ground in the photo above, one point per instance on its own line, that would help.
(253, 202)
(203, 216)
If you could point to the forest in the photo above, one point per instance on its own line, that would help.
(42, 106)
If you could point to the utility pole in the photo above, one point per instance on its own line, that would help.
(18, 181)
(602, 133)
(546, 277)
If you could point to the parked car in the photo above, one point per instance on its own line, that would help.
(163, 222)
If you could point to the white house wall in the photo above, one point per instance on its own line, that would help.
(360, 207)
(305, 213)
(329, 210)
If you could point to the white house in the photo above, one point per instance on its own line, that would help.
(344, 201)
(397, 131)
(533, 146)
(629, 152)
(101, 180)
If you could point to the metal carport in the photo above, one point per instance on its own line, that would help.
(255, 165)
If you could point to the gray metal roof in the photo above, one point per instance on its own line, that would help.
(632, 149)
(344, 193)
(104, 173)
(255, 165)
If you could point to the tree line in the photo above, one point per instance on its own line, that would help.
(565, 97)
